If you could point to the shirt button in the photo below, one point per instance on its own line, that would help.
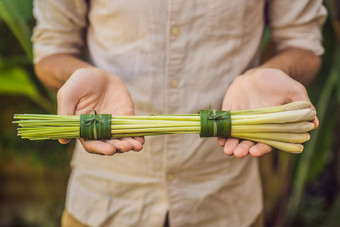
(170, 177)
(175, 31)
(174, 83)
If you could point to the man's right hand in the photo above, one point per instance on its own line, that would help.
(92, 88)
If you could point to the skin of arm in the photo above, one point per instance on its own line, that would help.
(82, 87)
(56, 69)
(278, 81)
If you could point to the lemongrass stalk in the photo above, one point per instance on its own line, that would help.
(151, 122)
(46, 116)
(280, 117)
(283, 137)
(152, 134)
(168, 129)
(283, 146)
(194, 117)
(283, 127)
(274, 109)
(155, 125)
(297, 127)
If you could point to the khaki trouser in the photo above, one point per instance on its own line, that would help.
(68, 220)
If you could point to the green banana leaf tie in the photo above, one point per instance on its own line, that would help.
(95, 126)
(215, 123)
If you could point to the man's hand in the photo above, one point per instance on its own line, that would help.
(92, 88)
(258, 88)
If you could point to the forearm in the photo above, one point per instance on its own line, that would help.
(301, 65)
(55, 70)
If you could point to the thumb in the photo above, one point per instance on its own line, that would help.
(66, 101)
(66, 105)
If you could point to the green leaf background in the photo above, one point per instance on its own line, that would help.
(299, 190)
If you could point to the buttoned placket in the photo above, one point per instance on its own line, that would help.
(176, 40)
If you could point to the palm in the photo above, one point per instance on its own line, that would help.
(89, 89)
(257, 89)
(94, 90)
(270, 87)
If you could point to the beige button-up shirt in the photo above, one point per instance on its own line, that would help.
(175, 57)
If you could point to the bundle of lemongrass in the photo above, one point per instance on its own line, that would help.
(284, 127)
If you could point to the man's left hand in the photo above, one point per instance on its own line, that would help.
(259, 88)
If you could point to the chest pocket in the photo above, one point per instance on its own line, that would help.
(227, 17)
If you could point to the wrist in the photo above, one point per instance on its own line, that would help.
(300, 64)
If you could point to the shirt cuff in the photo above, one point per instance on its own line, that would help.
(304, 37)
(47, 42)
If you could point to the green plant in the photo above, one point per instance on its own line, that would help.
(15, 70)
(318, 150)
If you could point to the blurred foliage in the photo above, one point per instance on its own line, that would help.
(33, 175)
(16, 13)
(16, 75)
(304, 190)
(299, 190)
(319, 151)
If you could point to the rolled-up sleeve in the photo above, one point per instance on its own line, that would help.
(60, 26)
(297, 23)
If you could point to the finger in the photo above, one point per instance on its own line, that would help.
(64, 141)
(121, 145)
(316, 122)
(260, 149)
(66, 101)
(230, 145)
(140, 139)
(98, 147)
(221, 141)
(136, 145)
(66, 105)
(242, 148)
